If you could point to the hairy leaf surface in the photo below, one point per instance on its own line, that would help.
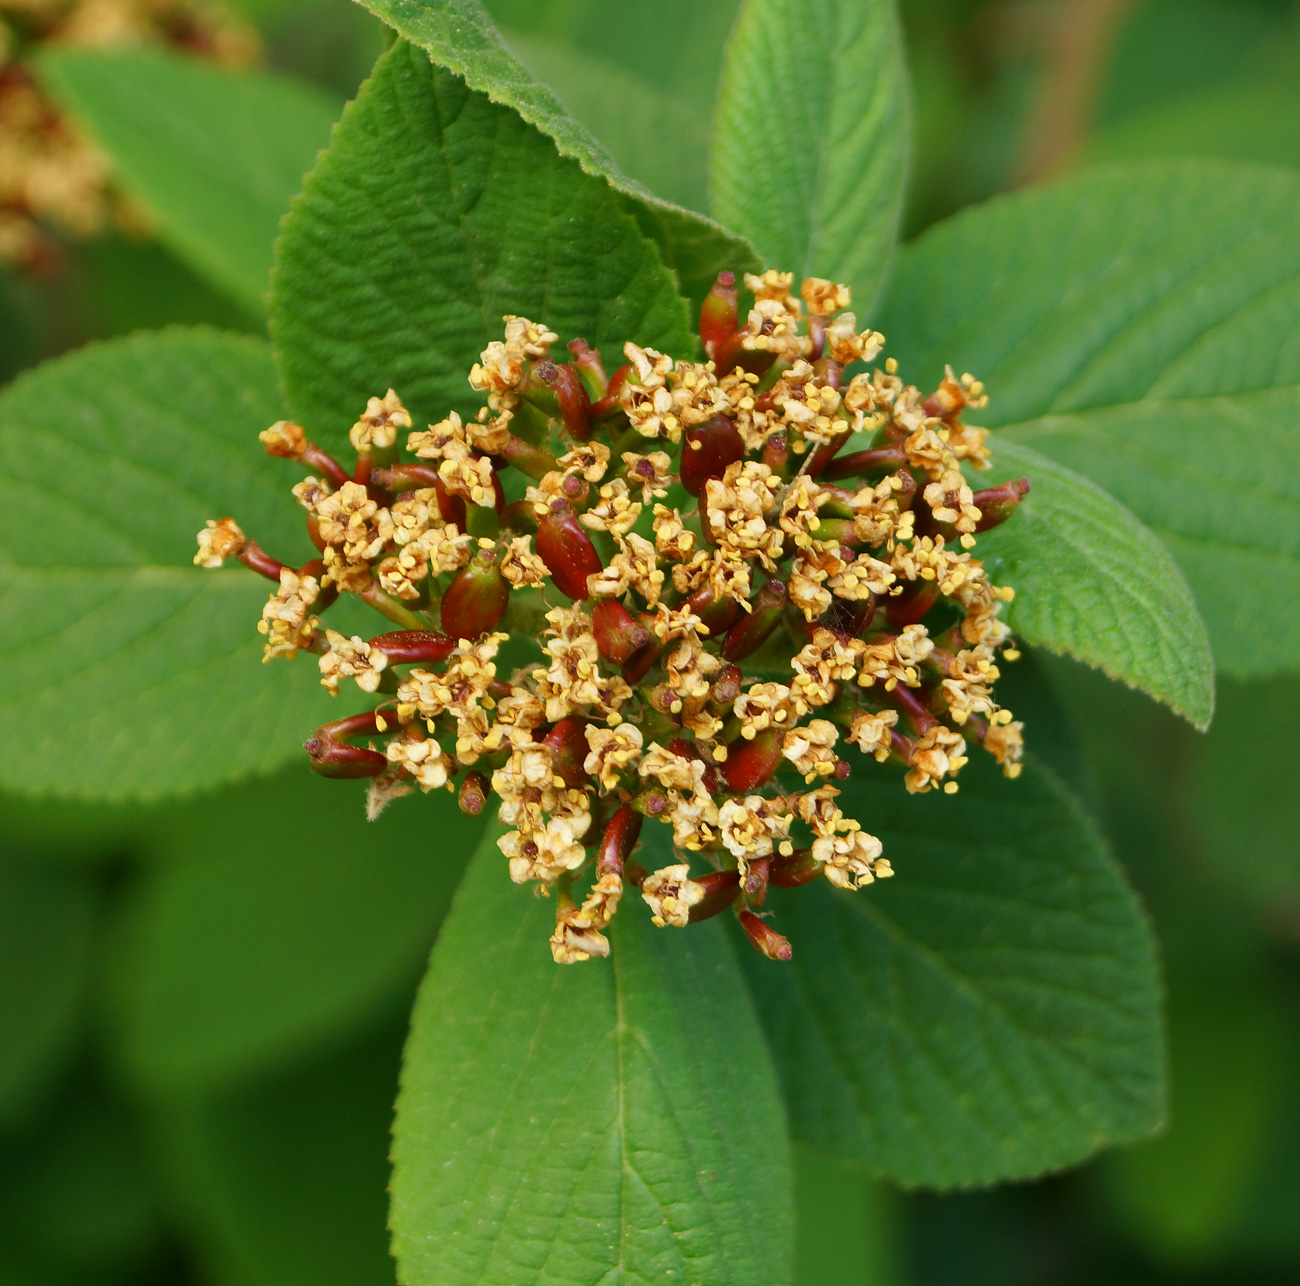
(245, 950)
(1139, 325)
(459, 35)
(131, 672)
(811, 137)
(434, 212)
(614, 1121)
(1093, 582)
(216, 156)
(991, 1012)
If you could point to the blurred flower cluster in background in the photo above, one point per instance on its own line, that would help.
(202, 1004)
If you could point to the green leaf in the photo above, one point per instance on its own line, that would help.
(281, 1183)
(610, 1121)
(992, 1012)
(243, 950)
(847, 1224)
(1241, 793)
(811, 137)
(1182, 1195)
(434, 212)
(216, 156)
(131, 672)
(459, 35)
(1137, 324)
(652, 133)
(1091, 581)
(47, 922)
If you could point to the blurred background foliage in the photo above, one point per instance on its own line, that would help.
(202, 1004)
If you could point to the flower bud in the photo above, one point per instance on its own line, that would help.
(765, 939)
(750, 763)
(476, 600)
(619, 635)
(331, 756)
(756, 626)
(907, 608)
(754, 885)
(451, 507)
(571, 395)
(473, 794)
(997, 504)
(717, 615)
(567, 551)
(790, 872)
(639, 664)
(719, 316)
(618, 841)
(425, 646)
(707, 450)
(568, 745)
(721, 888)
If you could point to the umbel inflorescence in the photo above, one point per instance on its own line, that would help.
(735, 570)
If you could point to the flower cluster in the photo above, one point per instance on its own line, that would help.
(729, 573)
(50, 174)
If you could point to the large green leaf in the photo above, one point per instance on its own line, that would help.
(248, 945)
(990, 1013)
(811, 137)
(434, 212)
(47, 922)
(215, 156)
(615, 1121)
(1093, 582)
(459, 35)
(281, 1182)
(131, 672)
(1138, 324)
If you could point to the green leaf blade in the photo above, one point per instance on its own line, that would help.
(583, 1123)
(435, 212)
(216, 156)
(120, 452)
(1137, 324)
(990, 1013)
(459, 35)
(1092, 582)
(811, 137)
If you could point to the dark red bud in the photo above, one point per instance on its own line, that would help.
(613, 399)
(451, 507)
(569, 748)
(619, 635)
(639, 664)
(571, 393)
(331, 756)
(765, 939)
(717, 615)
(619, 840)
(476, 600)
(567, 551)
(790, 872)
(721, 888)
(707, 450)
(877, 460)
(825, 453)
(426, 646)
(754, 885)
(473, 794)
(907, 608)
(750, 763)
(997, 504)
(719, 315)
(753, 629)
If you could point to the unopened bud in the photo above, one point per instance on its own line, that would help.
(721, 888)
(719, 316)
(763, 938)
(756, 626)
(450, 505)
(707, 450)
(639, 664)
(425, 646)
(567, 742)
(796, 869)
(567, 551)
(476, 600)
(716, 614)
(909, 607)
(750, 763)
(997, 504)
(619, 635)
(571, 394)
(754, 885)
(331, 756)
(618, 841)
(473, 794)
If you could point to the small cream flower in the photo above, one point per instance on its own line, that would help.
(670, 893)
